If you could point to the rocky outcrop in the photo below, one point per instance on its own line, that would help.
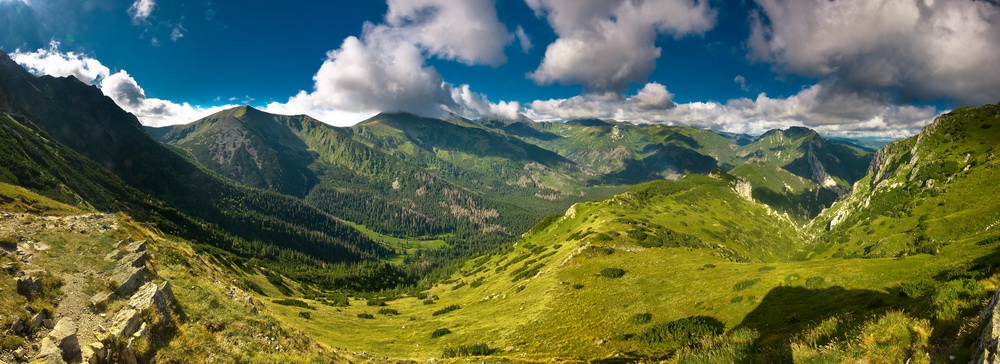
(987, 349)
(131, 272)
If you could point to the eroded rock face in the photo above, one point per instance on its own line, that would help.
(61, 345)
(158, 298)
(987, 348)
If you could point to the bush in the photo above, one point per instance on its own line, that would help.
(682, 332)
(641, 318)
(366, 315)
(744, 285)
(428, 302)
(577, 286)
(337, 300)
(294, 302)
(440, 332)
(467, 350)
(446, 310)
(612, 272)
(815, 282)
(766, 268)
(305, 315)
(376, 302)
(387, 311)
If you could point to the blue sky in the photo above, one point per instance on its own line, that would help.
(850, 68)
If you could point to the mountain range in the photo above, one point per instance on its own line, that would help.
(418, 238)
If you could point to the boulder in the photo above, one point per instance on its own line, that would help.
(114, 255)
(137, 247)
(987, 349)
(93, 353)
(38, 319)
(100, 300)
(17, 326)
(29, 287)
(130, 278)
(135, 259)
(125, 322)
(49, 353)
(64, 336)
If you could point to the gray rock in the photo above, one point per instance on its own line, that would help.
(125, 322)
(64, 336)
(114, 255)
(137, 247)
(130, 278)
(987, 349)
(100, 300)
(136, 259)
(93, 353)
(38, 319)
(48, 324)
(29, 287)
(17, 326)
(49, 353)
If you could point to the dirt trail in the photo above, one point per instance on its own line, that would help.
(75, 305)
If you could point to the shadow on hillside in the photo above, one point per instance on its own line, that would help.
(787, 311)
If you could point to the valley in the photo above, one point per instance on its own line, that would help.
(406, 238)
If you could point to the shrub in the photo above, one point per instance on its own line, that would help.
(815, 282)
(682, 332)
(744, 285)
(467, 350)
(337, 299)
(612, 272)
(388, 311)
(766, 268)
(577, 286)
(709, 265)
(476, 283)
(305, 315)
(11, 343)
(366, 315)
(376, 302)
(294, 302)
(446, 310)
(440, 332)
(641, 318)
(428, 302)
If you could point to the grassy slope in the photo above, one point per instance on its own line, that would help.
(775, 306)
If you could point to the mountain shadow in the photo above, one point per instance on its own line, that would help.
(786, 311)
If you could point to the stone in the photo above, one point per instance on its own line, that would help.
(48, 324)
(137, 247)
(136, 259)
(29, 287)
(17, 326)
(37, 319)
(64, 336)
(130, 278)
(49, 353)
(100, 300)
(114, 255)
(125, 322)
(93, 353)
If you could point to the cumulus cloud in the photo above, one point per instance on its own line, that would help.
(822, 107)
(909, 49)
(52, 62)
(141, 10)
(740, 80)
(119, 86)
(606, 44)
(385, 69)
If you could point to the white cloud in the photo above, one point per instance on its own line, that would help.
(740, 80)
(523, 39)
(607, 44)
(120, 86)
(141, 10)
(467, 31)
(52, 62)
(385, 69)
(820, 107)
(909, 49)
(177, 33)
